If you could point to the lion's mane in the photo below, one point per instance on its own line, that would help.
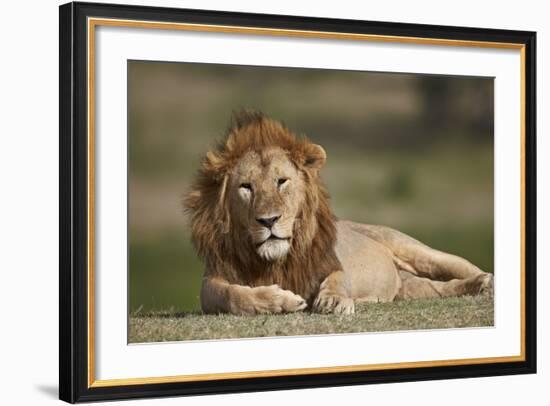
(225, 248)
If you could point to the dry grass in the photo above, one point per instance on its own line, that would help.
(402, 315)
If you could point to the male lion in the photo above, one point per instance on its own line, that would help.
(262, 222)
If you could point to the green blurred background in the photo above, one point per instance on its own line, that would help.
(414, 152)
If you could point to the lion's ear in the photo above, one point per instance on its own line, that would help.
(315, 156)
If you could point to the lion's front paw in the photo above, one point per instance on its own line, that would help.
(329, 303)
(273, 299)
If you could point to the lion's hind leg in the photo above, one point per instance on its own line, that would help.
(416, 257)
(428, 273)
(416, 287)
(425, 271)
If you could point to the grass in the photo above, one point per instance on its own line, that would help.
(155, 326)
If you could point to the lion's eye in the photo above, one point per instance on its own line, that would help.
(247, 186)
(282, 181)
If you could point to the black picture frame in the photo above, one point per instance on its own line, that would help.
(73, 284)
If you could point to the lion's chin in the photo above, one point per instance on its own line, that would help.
(272, 250)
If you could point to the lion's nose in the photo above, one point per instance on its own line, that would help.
(268, 221)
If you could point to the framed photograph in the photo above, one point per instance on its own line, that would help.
(256, 202)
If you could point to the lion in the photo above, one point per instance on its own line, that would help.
(262, 223)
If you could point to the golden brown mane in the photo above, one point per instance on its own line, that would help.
(226, 250)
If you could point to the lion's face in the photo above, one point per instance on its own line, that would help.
(266, 191)
(259, 195)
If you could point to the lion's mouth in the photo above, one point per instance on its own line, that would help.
(273, 237)
(273, 247)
